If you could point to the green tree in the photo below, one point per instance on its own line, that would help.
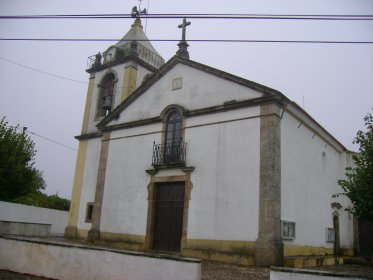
(358, 185)
(40, 199)
(18, 176)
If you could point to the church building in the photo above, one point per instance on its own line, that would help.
(181, 158)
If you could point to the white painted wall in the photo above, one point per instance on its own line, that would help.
(225, 195)
(89, 180)
(78, 262)
(199, 90)
(310, 169)
(223, 148)
(346, 219)
(29, 214)
(125, 202)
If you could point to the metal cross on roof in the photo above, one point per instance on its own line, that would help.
(183, 26)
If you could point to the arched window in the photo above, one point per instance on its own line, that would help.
(172, 150)
(106, 96)
(173, 138)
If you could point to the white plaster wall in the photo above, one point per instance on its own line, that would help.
(125, 203)
(89, 180)
(141, 73)
(223, 148)
(345, 219)
(208, 89)
(29, 214)
(310, 168)
(224, 199)
(73, 262)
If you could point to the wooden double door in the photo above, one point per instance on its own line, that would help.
(168, 221)
(365, 237)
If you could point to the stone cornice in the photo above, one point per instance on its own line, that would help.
(88, 136)
(133, 124)
(228, 106)
(233, 105)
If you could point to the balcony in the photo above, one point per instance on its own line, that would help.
(173, 154)
(129, 49)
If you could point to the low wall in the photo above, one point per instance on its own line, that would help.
(60, 260)
(11, 212)
(282, 273)
(27, 229)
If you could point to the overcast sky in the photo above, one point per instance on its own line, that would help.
(334, 82)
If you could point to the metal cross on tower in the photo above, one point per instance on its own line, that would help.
(183, 27)
(183, 45)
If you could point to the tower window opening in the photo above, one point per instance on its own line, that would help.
(106, 96)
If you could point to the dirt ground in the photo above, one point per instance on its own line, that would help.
(353, 269)
(221, 271)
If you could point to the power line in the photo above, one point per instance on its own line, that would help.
(43, 72)
(24, 129)
(51, 140)
(46, 73)
(189, 40)
(198, 16)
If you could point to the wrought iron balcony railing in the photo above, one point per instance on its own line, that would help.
(174, 154)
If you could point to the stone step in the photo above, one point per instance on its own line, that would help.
(311, 261)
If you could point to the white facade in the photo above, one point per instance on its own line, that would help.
(253, 159)
(232, 176)
(311, 166)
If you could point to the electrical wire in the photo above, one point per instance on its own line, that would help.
(51, 140)
(25, 130)
(198, 16)
(42, 72)
(49, 74)
(189, 40)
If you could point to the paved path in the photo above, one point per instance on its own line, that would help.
(220, 271)
(8, 275)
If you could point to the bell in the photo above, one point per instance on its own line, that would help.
(107, 102)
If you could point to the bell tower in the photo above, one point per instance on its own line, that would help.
(117, 72)
(114, 74)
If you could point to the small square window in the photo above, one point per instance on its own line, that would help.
(287, 230)
(89, 212)
(330, 234)
(177, 83)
